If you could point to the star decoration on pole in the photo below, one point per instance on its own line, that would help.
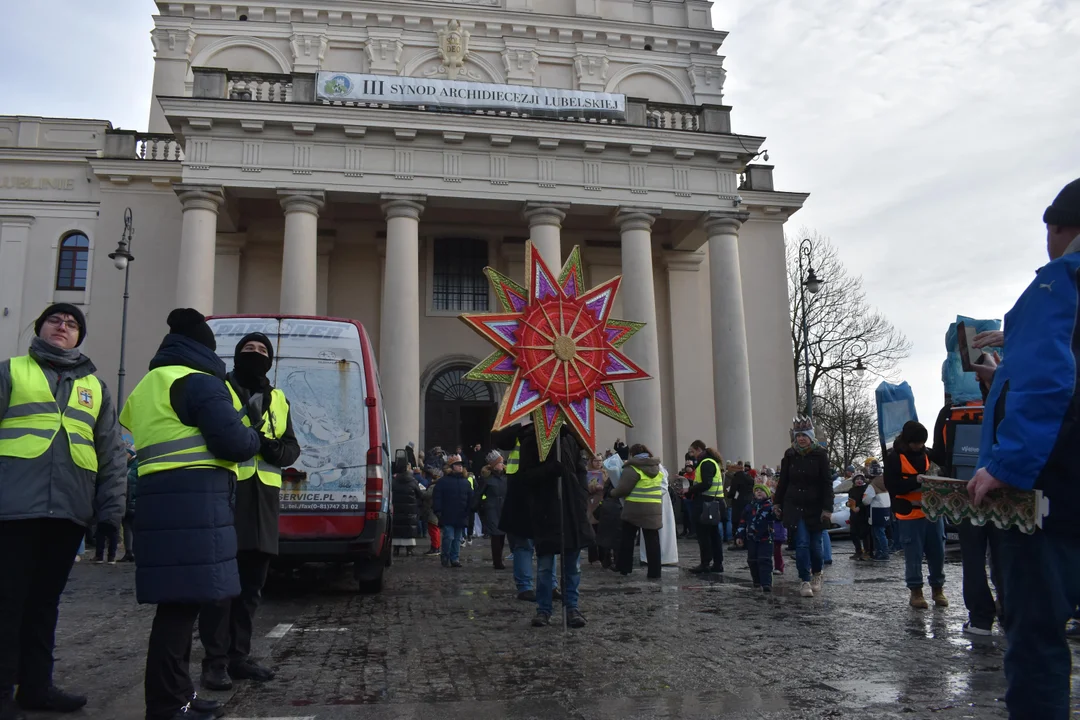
(558, 349)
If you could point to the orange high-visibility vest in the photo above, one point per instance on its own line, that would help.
(908, 471)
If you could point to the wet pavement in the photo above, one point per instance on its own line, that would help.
(458, 644)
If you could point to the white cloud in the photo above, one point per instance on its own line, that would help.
(931, 136)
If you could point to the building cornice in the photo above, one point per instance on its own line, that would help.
(162, 173)
(772, 206)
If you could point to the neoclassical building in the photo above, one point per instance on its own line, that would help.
(368, 159)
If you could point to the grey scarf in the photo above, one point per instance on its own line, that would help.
(58, 357)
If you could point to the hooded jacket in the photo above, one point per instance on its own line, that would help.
(52, 485)
(647, 516)
(1031, 424)
(184, 524)
(805, 489)
(407, 498)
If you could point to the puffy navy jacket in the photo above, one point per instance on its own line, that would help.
(184, 524)
(451, 501)
(1031, 425)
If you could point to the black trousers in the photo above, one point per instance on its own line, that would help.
(107, 537)
(35, 559)
(710, 542)
(225, 627)
(974, 542)
(627, 554)
(168, 684)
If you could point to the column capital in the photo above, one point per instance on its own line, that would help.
(676, 260)
(724, 223)
(231, 243)
(398, 206)
(200, 197)
(634, 218)
(541, 213)
(305, 201)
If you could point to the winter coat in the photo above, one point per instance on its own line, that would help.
(451, 501)
(52, 485)
(184, 527)
(532, 507)
(756, 521)
(779, 532)
(741, 491)
(860, 521)
(596, 494)
(407, 498)
(805, 489)
(609, 527)
(648, 516)
(1031, 425)
(492, 499)
(427, 505)
(132, 486)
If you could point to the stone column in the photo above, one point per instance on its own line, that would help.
(326, 249)
(227, 273)
(731, 359)
(639, 303)
(198, 246)
(691, 364)
(299, 262)
(545, 231)
(399, 326)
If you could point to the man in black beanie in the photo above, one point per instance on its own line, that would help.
(225, 627)
(191, 443)
(1031, 434)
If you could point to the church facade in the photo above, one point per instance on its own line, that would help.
(368, 159)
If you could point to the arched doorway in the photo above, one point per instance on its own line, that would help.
(458, 411)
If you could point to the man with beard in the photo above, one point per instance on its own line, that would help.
(226, 626)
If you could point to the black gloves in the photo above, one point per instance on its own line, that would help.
(271, 450)
(255, 412)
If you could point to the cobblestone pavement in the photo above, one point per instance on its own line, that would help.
(457, 644)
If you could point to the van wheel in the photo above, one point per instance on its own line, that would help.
(372, 586)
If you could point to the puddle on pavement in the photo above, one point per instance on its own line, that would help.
(868, 691)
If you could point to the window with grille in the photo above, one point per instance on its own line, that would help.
(458, 281)
(74, 260)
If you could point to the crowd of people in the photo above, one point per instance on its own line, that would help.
(196, 493)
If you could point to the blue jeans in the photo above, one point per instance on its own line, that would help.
(894, 526)
(879, 517)
(545, 584)
(522, 550)
(808, 551)
(1041, 574)
(451, 543)
(826, 547)
(923, 537)
(759, 558)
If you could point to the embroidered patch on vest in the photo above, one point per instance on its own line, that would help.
(86, 397)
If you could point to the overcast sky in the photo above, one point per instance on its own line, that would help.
(931, 133)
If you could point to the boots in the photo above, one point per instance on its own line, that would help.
(917, 600)
(498, 542)
(938, 594)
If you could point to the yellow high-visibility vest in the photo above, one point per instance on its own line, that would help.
(34, 418)
(717, 488)
(514, 460)
(162, 442)
(275, 420)
(648, 488)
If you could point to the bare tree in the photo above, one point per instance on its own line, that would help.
(846, 417)
(842, 326)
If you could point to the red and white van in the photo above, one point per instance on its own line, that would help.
(335, 501)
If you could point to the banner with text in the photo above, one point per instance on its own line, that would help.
(463, 95)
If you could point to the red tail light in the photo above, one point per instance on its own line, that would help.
(376, 484)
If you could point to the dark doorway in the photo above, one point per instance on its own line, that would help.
(458, 411)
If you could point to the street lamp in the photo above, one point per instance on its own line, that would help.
(122, 259)
(860, 370)
(813, 284)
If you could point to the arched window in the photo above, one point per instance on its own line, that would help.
(74, 259)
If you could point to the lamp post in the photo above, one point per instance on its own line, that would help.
(813, 284)
(122, 259)
(860, 370)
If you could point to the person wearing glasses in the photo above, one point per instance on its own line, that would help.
(62, 465)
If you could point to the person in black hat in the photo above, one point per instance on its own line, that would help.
(225, 627)
(62, 466)
(191, 442)
(1030, 436)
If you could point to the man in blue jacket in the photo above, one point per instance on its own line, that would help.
(452, 502)
(1031, 440)
(190, 438)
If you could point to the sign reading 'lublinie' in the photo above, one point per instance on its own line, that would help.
(460, 95)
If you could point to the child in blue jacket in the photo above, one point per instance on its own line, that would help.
(451, 502)
(755, 533)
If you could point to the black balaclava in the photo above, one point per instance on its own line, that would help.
(250, 368)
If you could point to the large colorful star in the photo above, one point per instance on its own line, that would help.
(558, 349)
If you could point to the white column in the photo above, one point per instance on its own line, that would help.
(227, 273)
(299, 262)
(172, 49)
(639, 304)
(545, 231)
(14, 246)
(399, 327)
(198, 246)
(326, 248)
(731, 359)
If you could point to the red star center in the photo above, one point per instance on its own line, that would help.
(561, 349)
